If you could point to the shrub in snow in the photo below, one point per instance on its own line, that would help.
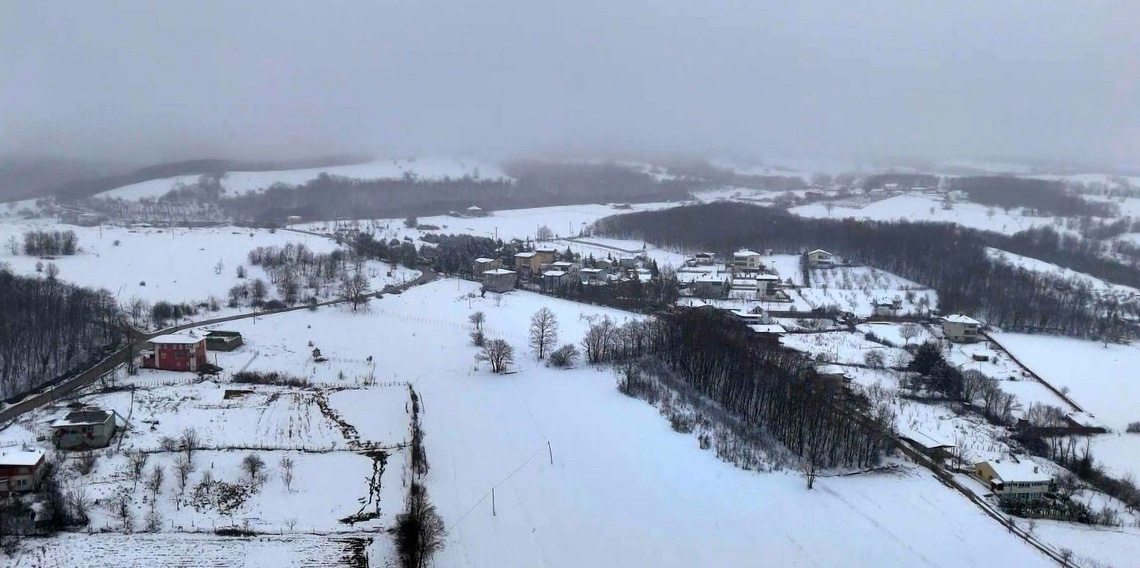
(1133, 428)
(564, 356)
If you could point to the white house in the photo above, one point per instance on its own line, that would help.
(820, 258)
(960, 329)
(745, 259)
(1012, 479)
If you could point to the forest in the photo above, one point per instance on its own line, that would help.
(950, 259)
(48, 328)
(1045, 197)
(773, 390)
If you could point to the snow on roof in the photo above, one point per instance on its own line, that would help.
(820, 251)
(830, 370)
(21, 457)
(1027, 470)
(498, 271)
(554, 273)
(708, 254)
(176, 339)
(592, 270)
(768, 328)
(527, 254)
(707, 278)
(562, 263)
(474, 208)
(82, 418)
(545, 248)
(923, 439)
(959, 318)
(745, 252)
(767, 277)
(484, 260)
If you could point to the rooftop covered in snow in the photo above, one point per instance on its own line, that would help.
(175, 339)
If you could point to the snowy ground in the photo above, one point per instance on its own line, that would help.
(175, 265)
(240, 183)
(1099, 287)
(855, 289)
(929, 208)
(1101, 379)
(568, 220)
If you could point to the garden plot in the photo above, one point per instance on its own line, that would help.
(184, 550)
(324, 488)
(842, 347)
(787, 266)
(893, 332)
(855, 289)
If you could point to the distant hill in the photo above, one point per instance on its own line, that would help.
(27, 177)
(82, 188)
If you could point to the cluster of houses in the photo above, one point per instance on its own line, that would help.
(87, 428)
(539, 265)
(1005, 478)
(745, 276)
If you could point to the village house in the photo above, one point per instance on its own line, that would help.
(960, 329)
(745, 260)
(20, 470)
(218, 340)
(476, 211)
(564, 266)
(704, 259)
(594, 276)
(834, 373)
(483, 264)
(294, 220)
(499, 280)
(1009, 479)
(175, 352)
(709, 285)
(530, 262)
(767, 287)
(84, 429)
(820, 258)
(554, 280)
(884, 307)
(930, 446)
(769, 333)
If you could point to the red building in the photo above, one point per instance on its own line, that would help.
(20, 470)
(175, 352)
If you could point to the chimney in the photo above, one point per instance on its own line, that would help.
(1034, 469)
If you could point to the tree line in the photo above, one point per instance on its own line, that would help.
(48, 243)
(1045, 197)
(772, 389)
(49, 328)
(949, 259)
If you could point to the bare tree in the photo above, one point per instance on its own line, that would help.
(909, 331)
(287, 473)
(498, 353)
(136, 462)
(291, 522)
(240, 271)
(154, 482)
(543, 331)
(253, 465)
(477, 320)
(874, 359)
(829, 206)
(190, 441)
(355, 289)
(121, 507)
(544, 234)
(52, 271)
(419, 531)
(183, 466)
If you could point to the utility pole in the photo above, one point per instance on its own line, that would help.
(550, 451)
(493, 513)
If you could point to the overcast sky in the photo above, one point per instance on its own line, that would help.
(145, 81)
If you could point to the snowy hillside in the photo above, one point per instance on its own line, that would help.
(929, 208)
(239, 183)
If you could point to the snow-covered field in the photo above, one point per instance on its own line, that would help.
(1104, 380)
(240, 183)
(567, 220)
(175, 265)
(929, 208)
(621, 479)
